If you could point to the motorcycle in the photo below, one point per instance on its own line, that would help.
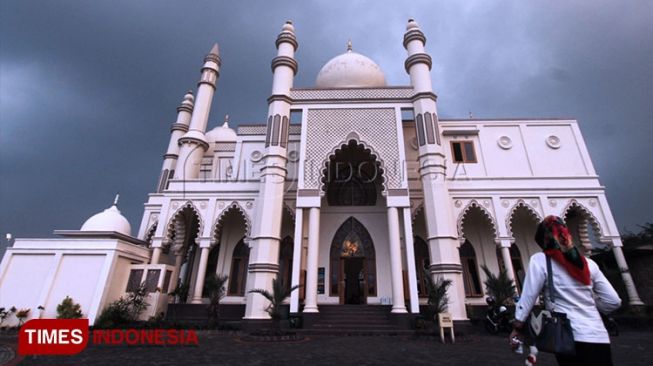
(498, 318)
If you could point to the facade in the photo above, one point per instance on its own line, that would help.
(353, 189)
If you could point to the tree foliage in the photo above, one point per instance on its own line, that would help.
(276, 298)
(437, 292)
(500, 287)
(214, 287)
(125, 310)
(68, 309)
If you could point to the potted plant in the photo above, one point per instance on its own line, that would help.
(214, 287)
(278, 295)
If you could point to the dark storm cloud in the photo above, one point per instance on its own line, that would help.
(88, 89)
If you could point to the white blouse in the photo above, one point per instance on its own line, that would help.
(578, 301)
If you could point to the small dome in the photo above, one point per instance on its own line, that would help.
(350, 70)
(222, 134)
(108, 220)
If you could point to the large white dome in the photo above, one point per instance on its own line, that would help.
(108, 220)
(222, 134)
(350, 70)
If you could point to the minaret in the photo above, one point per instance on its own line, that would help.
(177, 130)
(193, 143)
(441, 226)
(264, 254)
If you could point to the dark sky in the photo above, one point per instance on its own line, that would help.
(88, 89)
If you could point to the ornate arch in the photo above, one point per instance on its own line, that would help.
(575, 205)
(486, 213)
(174, 226)
(418, 209)
(149, 233)
(217, 227)
(348, 230)
(511, 213)
(352, 136)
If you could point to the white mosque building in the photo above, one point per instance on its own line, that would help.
(351, 188)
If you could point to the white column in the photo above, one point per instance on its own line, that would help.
(297, 259)
(310, 305)
(507, 260)
(156, 255)
(633, 296)
(410, 261)
(201, 275)
(398, 305)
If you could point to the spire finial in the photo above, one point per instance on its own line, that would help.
(115, 201)
(226, 121)
(349, 48)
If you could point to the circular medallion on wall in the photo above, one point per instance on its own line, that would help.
(505, 203)
(249, 204)
(458, 203)
(505, 142)
(486, 203)
(293, 156)
(175, 205)
(593, 202)
(553, 203)
(256, 156)
(202, 205)
(553, 141)
(534, 203)
(220, 205)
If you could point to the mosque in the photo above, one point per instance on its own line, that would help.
(353, 189)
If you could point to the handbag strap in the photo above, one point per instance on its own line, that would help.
(550, 287)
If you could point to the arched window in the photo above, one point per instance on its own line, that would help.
(471, 279)
(515, 258)
(238, 276)
(422, 262)
(285, 261)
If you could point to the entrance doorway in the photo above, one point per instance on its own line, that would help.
(352, 274)
(353, 280)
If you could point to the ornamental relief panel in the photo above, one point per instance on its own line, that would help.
(328, 129)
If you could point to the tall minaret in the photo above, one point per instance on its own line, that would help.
(266, 230)
(193, 143)
(441, 226)
(177, 130)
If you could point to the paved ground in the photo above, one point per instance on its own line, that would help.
(630, 348)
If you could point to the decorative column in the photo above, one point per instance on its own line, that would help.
(266, 230)
(310, 303)
(193, 143)
(617, 251)
(505, 245)
(156, 255)
(297, 259)
(440, 224)
(178, 129)
(410, 261)
(205, 247)
(398, 305)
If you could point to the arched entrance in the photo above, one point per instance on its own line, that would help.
(352, 263)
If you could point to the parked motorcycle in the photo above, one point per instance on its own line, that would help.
(498, 318)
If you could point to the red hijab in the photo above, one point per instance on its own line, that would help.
(555, 240)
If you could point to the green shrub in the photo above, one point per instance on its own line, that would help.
(125, 310)
(500, 287)
(68, 309)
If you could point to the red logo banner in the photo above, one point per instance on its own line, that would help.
(53, 337)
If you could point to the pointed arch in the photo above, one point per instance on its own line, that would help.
(418, 209)
(471, 279)
(422, 264)
(575, 205)
(217, 226)
(361, 144)
(176, 227)
(352, 240)
(488, 216)
(511, 213)
(238, 270)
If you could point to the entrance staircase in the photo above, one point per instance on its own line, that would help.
(362, 320)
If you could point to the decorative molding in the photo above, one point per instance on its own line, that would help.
(589, 215)
(504, 142)
(351, 94)
(285, 61)
(445, 268)
(287, 38)
(279, 97)
(179, 127)
(418, 58)
(460, 132)
(174, 227)
(412, 35)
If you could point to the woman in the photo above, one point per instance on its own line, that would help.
(581, 291)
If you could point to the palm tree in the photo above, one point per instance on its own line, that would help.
(214, 287)
(437, 292)
(500, 287)
(278, 295)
